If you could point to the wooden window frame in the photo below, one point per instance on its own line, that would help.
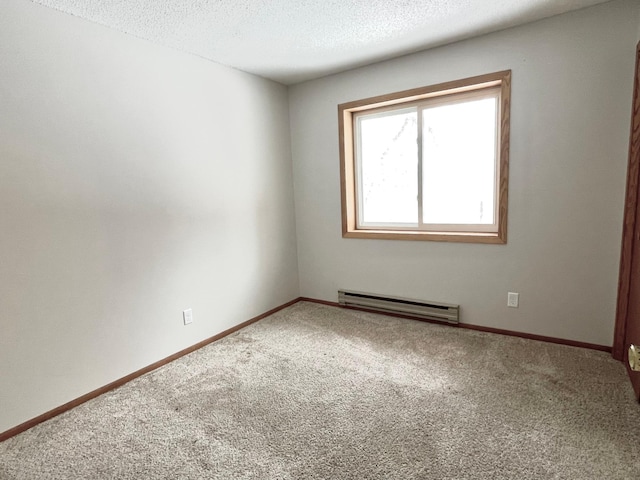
(346, 117)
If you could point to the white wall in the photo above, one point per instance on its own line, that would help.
(135, 182)
(571, 101)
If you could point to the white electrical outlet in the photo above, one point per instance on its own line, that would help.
(513, 299)
(187, 316)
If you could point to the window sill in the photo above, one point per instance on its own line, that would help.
(460, 237)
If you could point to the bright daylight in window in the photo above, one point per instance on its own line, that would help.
(428, 164)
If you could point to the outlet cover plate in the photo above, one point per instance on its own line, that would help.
(187, 316)
(513, 299)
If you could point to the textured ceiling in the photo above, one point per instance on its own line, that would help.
(294, 40)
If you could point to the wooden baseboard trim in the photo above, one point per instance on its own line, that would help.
(322, 302)
(540, 338)
(118, 383)
(499, 331)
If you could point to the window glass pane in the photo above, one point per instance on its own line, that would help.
(458, 162)
(388, 167)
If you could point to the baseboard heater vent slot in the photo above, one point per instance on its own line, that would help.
(443, 312)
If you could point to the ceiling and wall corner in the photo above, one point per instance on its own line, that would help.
(295, 40)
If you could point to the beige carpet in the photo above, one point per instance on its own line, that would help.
(320, 392)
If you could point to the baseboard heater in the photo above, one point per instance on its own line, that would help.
(443, 312)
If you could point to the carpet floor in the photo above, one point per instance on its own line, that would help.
(315, 392)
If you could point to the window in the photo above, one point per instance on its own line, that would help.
(429, 163)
